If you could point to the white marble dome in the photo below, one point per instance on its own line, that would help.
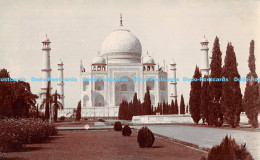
(148, 60)
(98, 60)
(122, 46)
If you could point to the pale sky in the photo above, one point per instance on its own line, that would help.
(167, 29)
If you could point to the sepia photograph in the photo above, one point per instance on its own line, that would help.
(129, 79)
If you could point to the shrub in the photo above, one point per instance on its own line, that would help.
(145, 137)
(15, 133)
(118, 126)
(101, 120)
(229, 150)
(126, 131)
(62, 118)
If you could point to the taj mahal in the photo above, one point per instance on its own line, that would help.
(121, 57)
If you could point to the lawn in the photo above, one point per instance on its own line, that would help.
(111, 145)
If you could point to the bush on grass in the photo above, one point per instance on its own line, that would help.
(14, 133)
(126, 131)
(62, 118)
(118, 126)
(101, 120)
(229, 150)
(145, 137)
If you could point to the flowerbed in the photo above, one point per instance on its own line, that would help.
(14, 134)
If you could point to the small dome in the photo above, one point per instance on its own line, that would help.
(61, 63)
(172, 62)
(47, 40)
(148, 60)
(99, 60)
(204, 40)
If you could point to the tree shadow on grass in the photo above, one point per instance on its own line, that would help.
(50, 139)
(157, 146)
(31, 149)
(14, 158)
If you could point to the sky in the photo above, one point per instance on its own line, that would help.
(166, 29)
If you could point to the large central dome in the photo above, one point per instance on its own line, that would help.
(122, 46)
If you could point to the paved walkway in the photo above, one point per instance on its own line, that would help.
(207, 137)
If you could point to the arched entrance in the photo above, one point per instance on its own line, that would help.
(99, 100)
(85, 101)
(124, 90)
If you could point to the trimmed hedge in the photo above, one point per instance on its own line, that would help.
(229, 150)
(62, 118)
(15, 133)
(145, 138)
(118, 126)
(126, 131)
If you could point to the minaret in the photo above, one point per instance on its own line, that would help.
(173, 83)
(60, 84)
(204, 67)
(46, 64)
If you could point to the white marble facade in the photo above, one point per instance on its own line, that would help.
(120, 57)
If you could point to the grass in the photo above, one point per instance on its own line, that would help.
(110, 145)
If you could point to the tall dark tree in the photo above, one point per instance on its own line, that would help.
(182, 105)
(147, 102)
(122, 114)
(231, 93)
(216, 117)
(172, 107)
(135, 105)
(251, 96)
(130, 111)
(164, 108)
(195, 92)
(176, 107)
(205, 101)
(78, 111)
(16, 98)
(187, 108)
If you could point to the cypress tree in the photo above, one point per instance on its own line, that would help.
(215, 91)
(78, 112)
(205, 101)
(120, 111)
(147, 102)
(172, 107)
(139, 110)
(251, 96)
(176, 107)
(195, 92)
(182, 106)
(130, 111)
(164, 108)
(187, 108)
(231, 93)
(135, 105)
(123, 109)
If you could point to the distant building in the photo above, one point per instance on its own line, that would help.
(121, 59)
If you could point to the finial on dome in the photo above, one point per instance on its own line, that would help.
(147, 53)
(99, 53)
(121, 20)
